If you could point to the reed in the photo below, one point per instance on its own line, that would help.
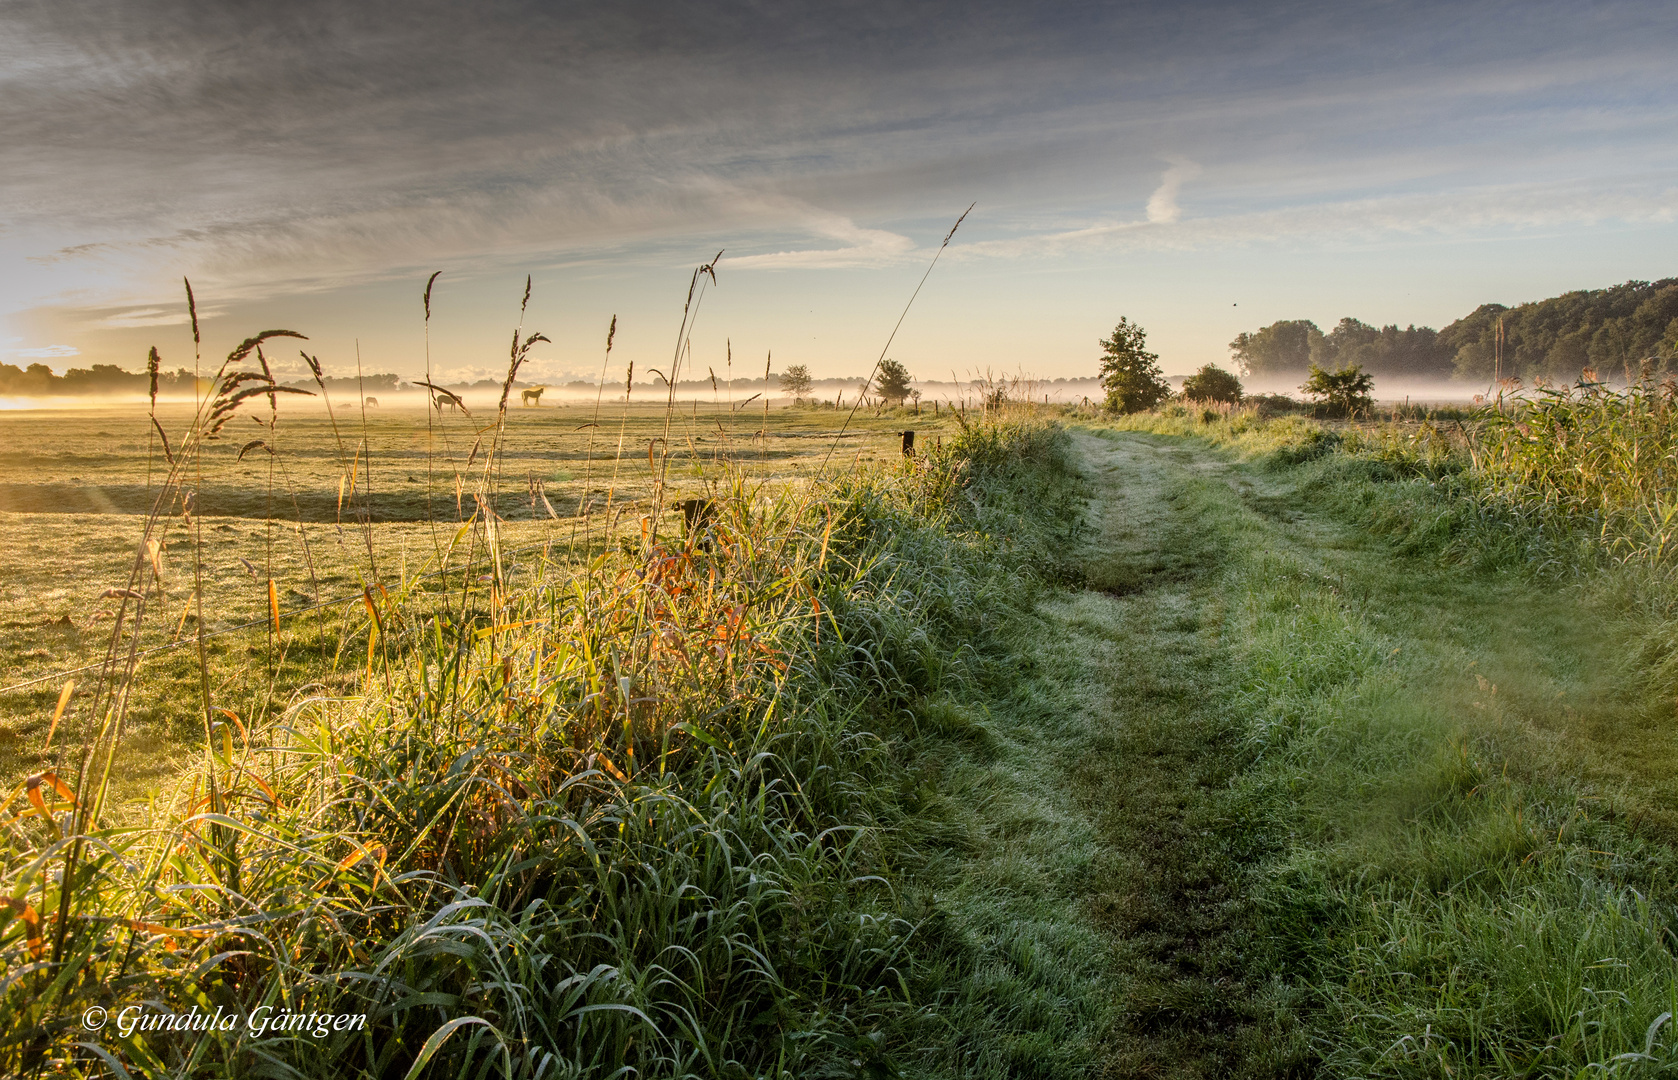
(1590, 456)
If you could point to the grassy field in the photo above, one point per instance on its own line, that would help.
(1188, 744)
(80, 481)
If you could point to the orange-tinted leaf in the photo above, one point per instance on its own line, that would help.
(31, 924)
(63, 700)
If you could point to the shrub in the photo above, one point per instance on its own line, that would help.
(1212, 383)
(1342, 392)
(1268, 405)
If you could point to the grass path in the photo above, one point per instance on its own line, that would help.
(1100, 898)
(1266, 799)
(1163, 749)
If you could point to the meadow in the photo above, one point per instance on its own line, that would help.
(1197, 743)
(588, 779)
(345, 502)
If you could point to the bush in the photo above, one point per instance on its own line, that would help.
(1268, 405)
(1212, 383)
(1342, 392)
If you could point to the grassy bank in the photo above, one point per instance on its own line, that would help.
(655, 809)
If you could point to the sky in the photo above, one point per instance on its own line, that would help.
(1198, 168)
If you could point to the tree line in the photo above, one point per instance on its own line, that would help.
(38, 380)
(1131, 376)
(1605, 329)
(1294, 346)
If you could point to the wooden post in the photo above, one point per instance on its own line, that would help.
(696, 514)
(908, 444)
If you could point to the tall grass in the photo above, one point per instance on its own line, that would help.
(624, 818)
(1592, 456)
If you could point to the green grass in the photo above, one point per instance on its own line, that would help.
(1191, 744)
(634, 808)
(1445, 797)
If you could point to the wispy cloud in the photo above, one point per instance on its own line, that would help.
(1162, 204)
(134, 317)
(858, 247)
(45, 352)
(1458, 213)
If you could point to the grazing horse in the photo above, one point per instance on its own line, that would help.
(372, 403)
(534, 396)
(441, 400)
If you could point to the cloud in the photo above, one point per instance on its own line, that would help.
(1162, 204)
(860, 247)
(150, 316)
(1468, 211)
(264, 149)
(45, 352)
(75, 251)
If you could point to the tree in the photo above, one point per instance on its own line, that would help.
(1415, 351)
(892, 382)
(1342, 392)
(796, 380)
(1603, 328)
(1212, 383)
(1279, 349)
(1129, 372)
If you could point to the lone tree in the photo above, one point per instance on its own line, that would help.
(1130, 372)
(892, 382)
(796, 380)
(1342, 392)
(1212, 383)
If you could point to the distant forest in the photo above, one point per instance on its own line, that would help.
(38, 380)
(1606, 329)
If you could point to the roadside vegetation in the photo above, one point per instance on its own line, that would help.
(1443, 748)
(647, 795)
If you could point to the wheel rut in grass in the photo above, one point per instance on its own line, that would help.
(1098, 892)
(1098, 901)
(1163, 748)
